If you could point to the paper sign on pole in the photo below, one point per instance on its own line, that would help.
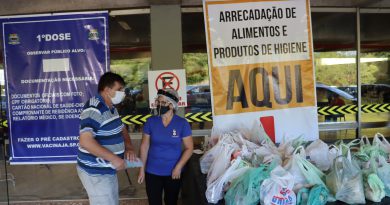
(261, 66)
(168, 79)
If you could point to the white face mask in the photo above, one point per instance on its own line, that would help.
(119, 96)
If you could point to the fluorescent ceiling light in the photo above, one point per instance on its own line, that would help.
(192, 10)
(129, 12)
(124, 25)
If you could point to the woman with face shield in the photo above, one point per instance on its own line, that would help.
(161, 150)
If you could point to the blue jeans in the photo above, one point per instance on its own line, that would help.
(101, 189)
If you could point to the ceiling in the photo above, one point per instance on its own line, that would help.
(17, 7)
(130, 35)
(331, 31)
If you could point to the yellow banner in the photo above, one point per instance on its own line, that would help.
(260, 55)
(259, 87)
(261, 66)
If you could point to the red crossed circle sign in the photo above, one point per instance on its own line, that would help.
(167, 80)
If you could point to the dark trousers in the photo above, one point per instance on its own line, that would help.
(155, 185)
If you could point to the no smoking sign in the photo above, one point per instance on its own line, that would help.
(167, 79)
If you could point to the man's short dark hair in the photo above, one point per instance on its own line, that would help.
(108, 80)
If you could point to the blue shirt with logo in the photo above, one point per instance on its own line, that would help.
(165, 143)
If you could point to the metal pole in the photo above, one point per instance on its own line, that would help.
(358, 74)
(128, 178)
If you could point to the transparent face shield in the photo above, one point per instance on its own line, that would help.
(161, 106)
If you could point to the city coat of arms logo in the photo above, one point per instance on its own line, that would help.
(13, 39)
(93, 34)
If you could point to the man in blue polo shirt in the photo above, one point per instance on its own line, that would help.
(104, 142)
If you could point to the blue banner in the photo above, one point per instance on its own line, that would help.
(52, 66)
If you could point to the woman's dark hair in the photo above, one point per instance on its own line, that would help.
(108, 80)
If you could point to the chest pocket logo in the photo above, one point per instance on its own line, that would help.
(174, 133)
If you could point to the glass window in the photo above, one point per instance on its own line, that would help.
(6, 180)
(197, 72)
(136, 102)
(130, 55)
(198, 88)
(131, 58)
(335, 68)
(375, 72)
(336, 134)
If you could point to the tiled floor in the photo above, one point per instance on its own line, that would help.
(60, 183)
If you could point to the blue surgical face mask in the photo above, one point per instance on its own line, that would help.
(136, 163)
(162, 109)
(129, 164)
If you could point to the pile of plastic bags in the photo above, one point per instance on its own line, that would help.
(246, 167)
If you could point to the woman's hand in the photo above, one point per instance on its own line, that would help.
(176, 172)
(141, 175)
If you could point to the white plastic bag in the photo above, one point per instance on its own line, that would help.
(221, 163)
(345, 180)
(305, 173)
(248, 153)
(258, 134)
(332, 154)
(268, 154)
(383, 172)
(217, 132)
(208, 158)
(247, 149)
(278, 188)
(245, 189)
(215, 190)
(292, 166)
(374, 189)
(318, 153)
(381, 141)
(286, 148)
